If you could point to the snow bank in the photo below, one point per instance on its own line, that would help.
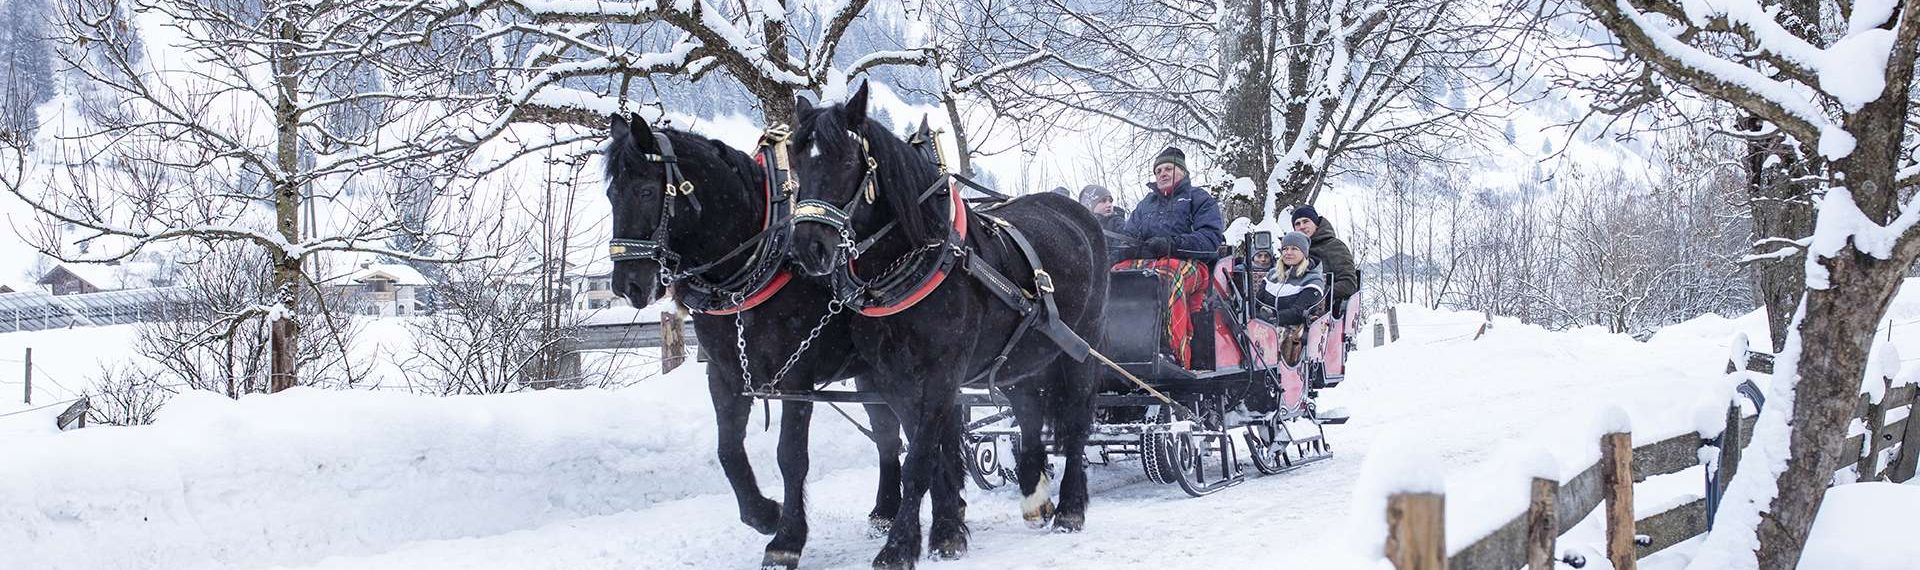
(293, 477)
(1866, 526)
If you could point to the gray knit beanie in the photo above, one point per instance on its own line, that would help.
(1093, 193)
(1295, 239)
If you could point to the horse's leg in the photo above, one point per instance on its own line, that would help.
(886, 444)
(730, 410)
(902, 548)
(948, 536)
(1072, 402)
(796, 417)
(1030, 460)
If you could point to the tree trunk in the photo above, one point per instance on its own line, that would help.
(1295, 184)
(1781, 202)
(961, 150)
(1838, 329)
(286, 202)
(1245, 96)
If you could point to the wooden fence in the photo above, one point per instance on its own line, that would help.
(1416, 537)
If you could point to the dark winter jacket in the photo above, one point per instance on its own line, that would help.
(1115, 222)
(1188, 216)
(1336, 260)
(1291, 298)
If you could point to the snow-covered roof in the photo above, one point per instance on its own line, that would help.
(397, 273)
(129, 275)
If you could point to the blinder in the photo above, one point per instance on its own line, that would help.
(653, 248)
(837, 217)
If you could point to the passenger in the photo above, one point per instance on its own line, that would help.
(1336, 260)
(1100, 201)
(1179, 232)
(1295, 289)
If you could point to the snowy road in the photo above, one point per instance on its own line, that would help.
(1461, 400)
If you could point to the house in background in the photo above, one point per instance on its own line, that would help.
(593, 288)
(82, 278)
(387, 290)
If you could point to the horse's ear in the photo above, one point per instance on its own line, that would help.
(857, 107)
(801, 104)
(642, 135)
(617, 126)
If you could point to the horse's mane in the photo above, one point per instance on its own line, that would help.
(902, 171)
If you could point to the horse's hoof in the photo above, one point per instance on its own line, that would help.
(892, 562)
(950, 548)
(780, 560)
(763, 516)
(877, 526)
(1037, 518)
(949, 552)
(1065, 522)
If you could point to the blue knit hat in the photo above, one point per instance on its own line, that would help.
(1305, 212)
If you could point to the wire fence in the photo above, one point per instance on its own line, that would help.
(41, 407)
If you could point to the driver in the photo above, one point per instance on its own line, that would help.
(1179, 230)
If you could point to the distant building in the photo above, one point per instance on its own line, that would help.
(387, 290)
(82, 278)
(592, 290)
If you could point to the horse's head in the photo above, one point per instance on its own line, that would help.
(639, 190)
(831, 165)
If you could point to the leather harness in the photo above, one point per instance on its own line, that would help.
(899, 288)
(763, 273)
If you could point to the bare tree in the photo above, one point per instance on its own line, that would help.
(267, 119)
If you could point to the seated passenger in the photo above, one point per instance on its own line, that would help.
(1178, 228)
(1295, 289)
(1336, 260)
(1099, 200)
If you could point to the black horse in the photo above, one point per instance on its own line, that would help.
(700, 228)
(937, 335)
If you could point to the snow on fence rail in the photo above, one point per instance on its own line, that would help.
(1416, 533)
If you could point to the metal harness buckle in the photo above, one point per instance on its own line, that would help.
(1042, 281)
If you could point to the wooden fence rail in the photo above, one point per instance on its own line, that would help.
(1555, 507)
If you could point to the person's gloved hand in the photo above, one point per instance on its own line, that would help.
(1289, 316)
(1160, 247)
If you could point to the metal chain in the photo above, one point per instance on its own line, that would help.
(834, 308)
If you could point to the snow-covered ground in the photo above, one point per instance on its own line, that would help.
(627, 478)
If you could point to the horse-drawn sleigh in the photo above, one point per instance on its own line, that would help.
(927, 299)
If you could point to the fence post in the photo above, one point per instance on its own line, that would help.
(1541, 524)
(1731, 441)
(1904, 463)
(1868, 465)
(1616, 459)
(673, 345)
(1416, 531)
(28, 391)
(1379, 334)
(1393, 323)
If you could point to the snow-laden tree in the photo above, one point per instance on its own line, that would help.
(276, 124)
(25, 65)
(578, 62)
(1279, 94)
(1840, 91)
